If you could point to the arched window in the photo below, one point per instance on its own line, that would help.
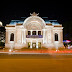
(56, 37)
(34, 33)
(12, 37)
(39, 32)
(29, 33)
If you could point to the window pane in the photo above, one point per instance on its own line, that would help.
(39, 32)
(29, 33)
(56, 37)
(34, 33)
(12, 37)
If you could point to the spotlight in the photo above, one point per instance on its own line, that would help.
(10, 50)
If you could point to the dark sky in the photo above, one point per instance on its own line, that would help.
(62, 11)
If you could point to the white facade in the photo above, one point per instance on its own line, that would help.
(34, 32)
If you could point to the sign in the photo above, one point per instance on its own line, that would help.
(34, 36)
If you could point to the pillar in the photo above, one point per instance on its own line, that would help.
(37, 32)
(37, 44)
(61, 36)
(43, 35)
(24, 36)
(31, 45)
(31, 32)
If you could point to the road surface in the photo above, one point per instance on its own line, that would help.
(35, 63)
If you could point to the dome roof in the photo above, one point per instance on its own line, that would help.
(34, 19)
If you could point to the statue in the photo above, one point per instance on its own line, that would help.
(34, 14)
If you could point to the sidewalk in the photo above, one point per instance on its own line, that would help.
(36, 51)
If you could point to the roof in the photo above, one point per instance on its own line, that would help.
(14, 22)
(20, 21)
(55, 23)
(47, 21)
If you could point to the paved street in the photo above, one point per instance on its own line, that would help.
(35, 63)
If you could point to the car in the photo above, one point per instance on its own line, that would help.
(69, 46)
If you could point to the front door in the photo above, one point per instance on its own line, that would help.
(33, 45)
(29, 44)
(39, 44)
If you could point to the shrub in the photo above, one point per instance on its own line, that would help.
(2, 44)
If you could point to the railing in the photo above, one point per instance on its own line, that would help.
(34, 36)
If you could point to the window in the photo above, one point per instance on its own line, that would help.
(12, 37)
(29, 33)
(39, 32)
(56, 37)
(34, 33)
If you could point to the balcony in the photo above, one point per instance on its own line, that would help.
(34, 36)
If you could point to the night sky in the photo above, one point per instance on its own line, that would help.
(61, 11)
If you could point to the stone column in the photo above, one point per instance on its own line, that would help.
(37, 44)
(49, 36)
(41, 33)
(36, 32)
(61, 36)
(24, 39)
(31, 32)
(9, 36)
(31, 45)
(43, 36)
(15, 37)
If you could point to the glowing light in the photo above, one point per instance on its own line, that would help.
(10, 50)
(31, 45)
(1, 23)
(37, 47)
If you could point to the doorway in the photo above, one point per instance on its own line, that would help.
(39, 44)
(29, 44)
(33, 45)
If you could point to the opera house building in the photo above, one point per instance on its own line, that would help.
(34, 32)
